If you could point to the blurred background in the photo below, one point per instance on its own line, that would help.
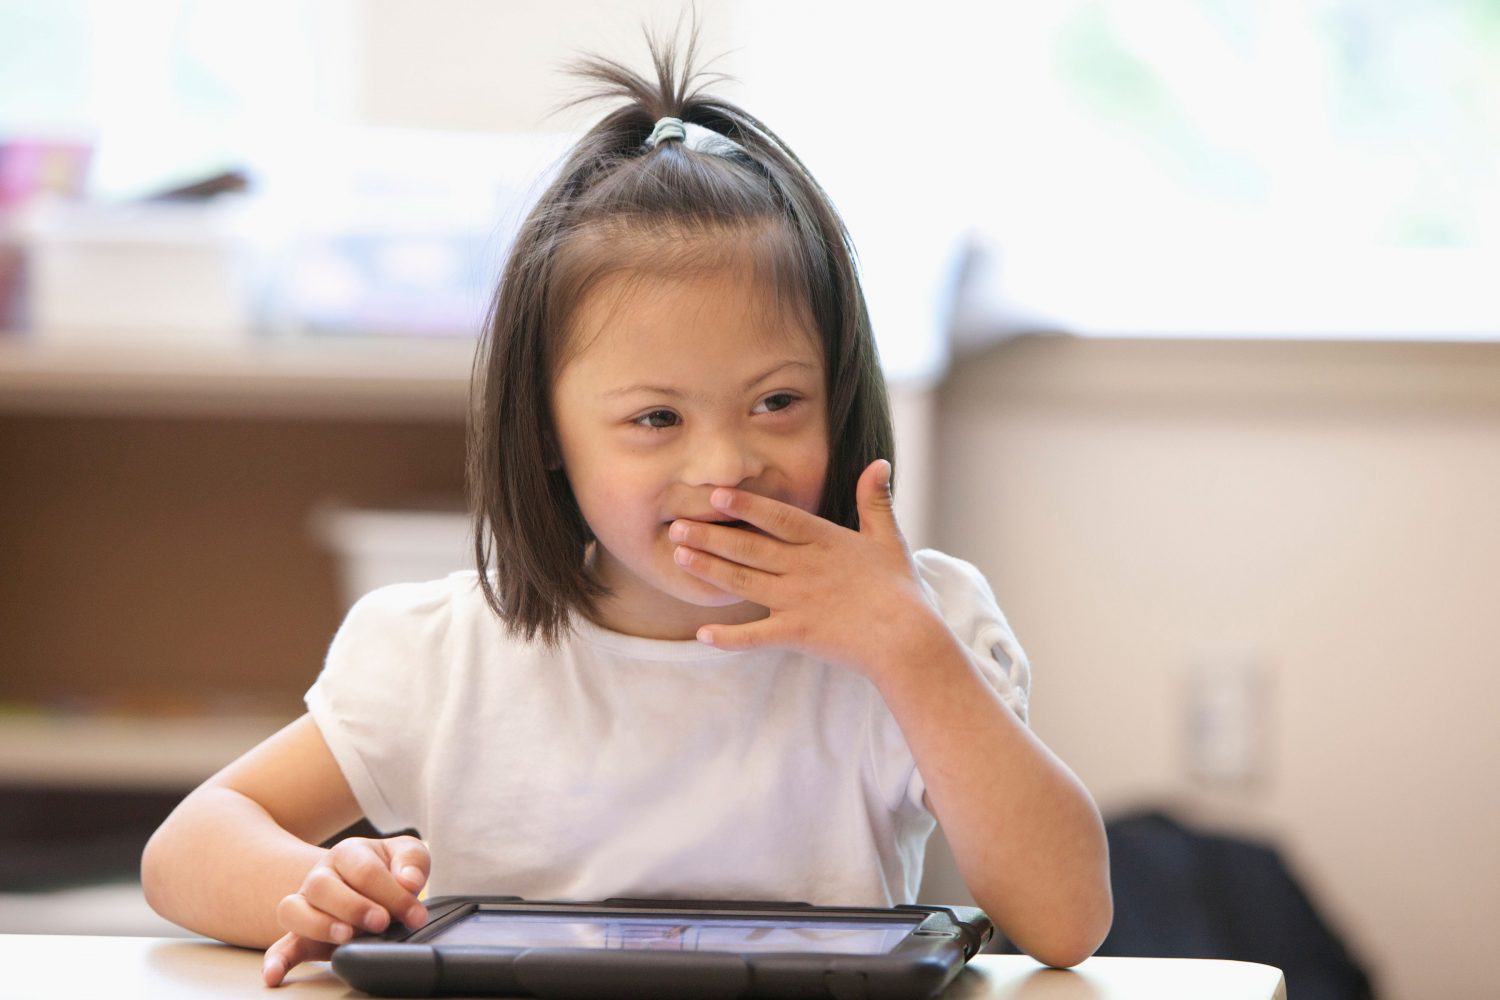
(1188, 308)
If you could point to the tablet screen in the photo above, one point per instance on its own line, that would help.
(645, 932)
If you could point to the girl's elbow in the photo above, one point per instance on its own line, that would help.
(152, 867)
(161, 863)
(1079, 938)
(1067, 950)
(1062, 958)
(1075, 936)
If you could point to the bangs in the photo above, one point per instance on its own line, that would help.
(624, 256)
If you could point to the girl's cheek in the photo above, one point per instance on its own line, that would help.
(813, 473)
(621, 487)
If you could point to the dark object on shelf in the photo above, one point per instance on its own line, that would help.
(1183, 893)
(228, 182)
(60, 838)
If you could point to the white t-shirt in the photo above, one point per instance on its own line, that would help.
(621, 766)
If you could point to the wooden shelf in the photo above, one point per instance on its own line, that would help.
(362, 378)
(123, 752)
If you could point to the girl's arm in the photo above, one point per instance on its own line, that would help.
(1026, 834)
(238, 858)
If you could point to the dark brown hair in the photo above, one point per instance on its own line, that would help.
(609, 211)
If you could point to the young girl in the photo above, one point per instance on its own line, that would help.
(705, 663)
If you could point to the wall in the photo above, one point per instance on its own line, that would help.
(476, 64)
(1333, 508)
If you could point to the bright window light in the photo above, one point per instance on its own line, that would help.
(1288, 168)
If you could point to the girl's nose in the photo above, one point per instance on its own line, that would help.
(723, 459)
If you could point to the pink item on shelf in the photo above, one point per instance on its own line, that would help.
(30, 167)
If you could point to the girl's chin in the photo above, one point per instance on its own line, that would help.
(706, 595)
(701, 594)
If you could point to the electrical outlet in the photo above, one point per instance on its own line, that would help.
(1226, 708)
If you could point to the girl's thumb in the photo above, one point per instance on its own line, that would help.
(872, 495)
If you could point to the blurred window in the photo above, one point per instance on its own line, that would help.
(1289, 167)
(1177, 167)
(167, 91)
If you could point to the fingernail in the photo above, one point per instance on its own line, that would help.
(341, 933)
(682, 555)
(377, 920)
(412, 875)
(721, 498)
(272, 970)
(416, 916)
(706, 637)
(677, 532)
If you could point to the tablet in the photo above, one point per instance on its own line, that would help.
(506, 946)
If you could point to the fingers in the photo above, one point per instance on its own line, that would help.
(410, 861)
(323, 912)
(872, 495)
(359, 885)
(380, 871)
(742, 581)
(747, 548)
(777, 519)
(737, 637)
(288, 952)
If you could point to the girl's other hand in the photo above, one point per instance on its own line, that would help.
(851, 598)
(360, 885)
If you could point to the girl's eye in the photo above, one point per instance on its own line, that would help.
(778, 401)
(657, 420)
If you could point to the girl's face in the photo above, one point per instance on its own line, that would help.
(670, 388)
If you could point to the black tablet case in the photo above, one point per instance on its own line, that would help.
(920, 966)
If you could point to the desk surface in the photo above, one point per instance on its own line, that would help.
(47, 966)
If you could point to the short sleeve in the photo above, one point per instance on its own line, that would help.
(374, 693)
(967, 604)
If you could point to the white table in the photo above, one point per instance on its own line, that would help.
(43, 966)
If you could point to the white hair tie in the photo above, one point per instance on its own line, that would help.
(667, 128)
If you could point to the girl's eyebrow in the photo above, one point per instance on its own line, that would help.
(668, 391)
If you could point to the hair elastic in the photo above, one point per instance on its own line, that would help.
(667, 128)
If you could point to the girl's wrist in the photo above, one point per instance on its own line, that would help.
(922, 643)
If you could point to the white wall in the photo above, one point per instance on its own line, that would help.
(1336, 507)
(498, 66)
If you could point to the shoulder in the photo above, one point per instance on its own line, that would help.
(417, 615)
(453, 594)
(399, 602)
(938, 566)
(963, 597)
(392, 674)
(407, 649)
(958, 586)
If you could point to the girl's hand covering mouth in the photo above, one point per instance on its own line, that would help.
(840, 596)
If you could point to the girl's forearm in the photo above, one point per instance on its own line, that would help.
(220, 864)
(1025, 832)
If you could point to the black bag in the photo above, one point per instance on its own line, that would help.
(1182, 893)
